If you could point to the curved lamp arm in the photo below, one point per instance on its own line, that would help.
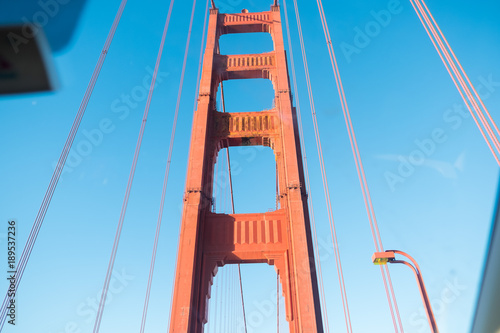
(382, 258)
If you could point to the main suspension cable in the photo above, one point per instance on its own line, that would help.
(132, 173)
(360, 169)
(232, 205)
(242, 298)
(460, 79)
(30, 243)
(196, 96)
(306, 174)
(451, 67)
(167, 169)
(333, 231)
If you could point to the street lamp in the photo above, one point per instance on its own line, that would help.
(389, 256)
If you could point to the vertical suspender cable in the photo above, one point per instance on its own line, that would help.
(223, 299)
(167, 170)
(242, 302)
(232, 204)
(231, 300)
(221, 281)
(278, 302)
(223, 103)
(227, 298)
(340, 274)
(235, 298)
(232, 207)
(30, 243)
(306, 174)
(360, 170)
(216, 306)
(230, 178)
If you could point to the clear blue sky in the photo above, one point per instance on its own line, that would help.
(399, 93)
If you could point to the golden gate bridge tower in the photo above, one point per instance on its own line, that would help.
(282, 237)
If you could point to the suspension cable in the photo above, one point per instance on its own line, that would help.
(194, 110)
(231, 299)
(226, 300)
(278, 301)
(459, 78)
(463, 75)
(132, 173)
(461, 86)
(227, 152)
(226, 209)
(30, 243)
(242, 302)
(167, 170)
(221, 300)
(218, 288)
(232, 204)
(306, 173)
(360, 170)
(340, 274)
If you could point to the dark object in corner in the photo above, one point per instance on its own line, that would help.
(25, 60)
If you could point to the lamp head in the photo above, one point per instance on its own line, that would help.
(382, 258)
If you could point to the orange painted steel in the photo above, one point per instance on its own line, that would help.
(281, 238)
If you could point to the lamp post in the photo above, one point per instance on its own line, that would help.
(389, 256)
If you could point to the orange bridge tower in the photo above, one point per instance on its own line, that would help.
(281, 238)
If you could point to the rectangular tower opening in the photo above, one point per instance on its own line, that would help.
(253, 173)
(248, 95)
(248, 43)
(264, 303)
